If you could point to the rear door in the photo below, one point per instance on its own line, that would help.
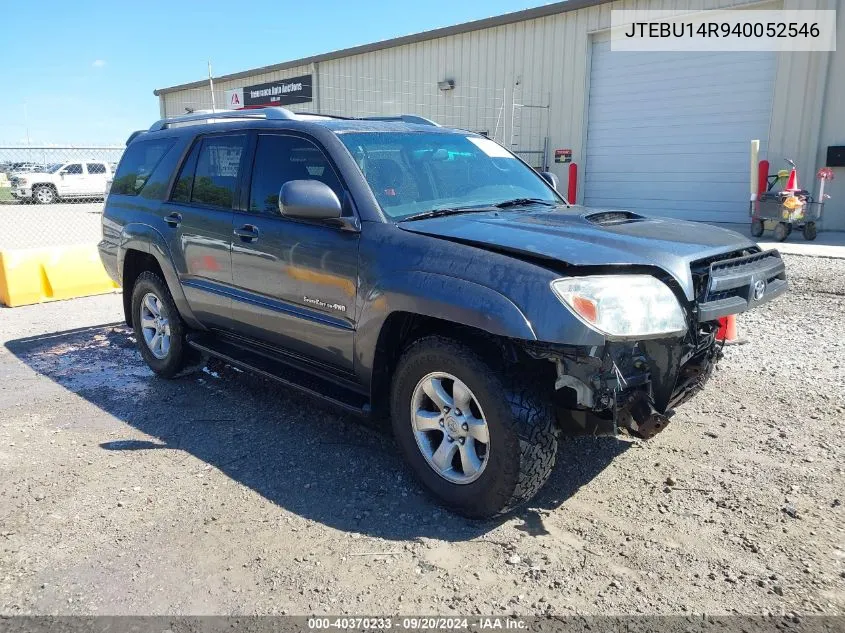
(295, 281)
(198, 217)
(95, 184)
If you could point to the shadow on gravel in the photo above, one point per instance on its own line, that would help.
(309, 459)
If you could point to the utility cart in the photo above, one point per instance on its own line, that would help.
(791, 207)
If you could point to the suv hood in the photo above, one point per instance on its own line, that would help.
(590, 237)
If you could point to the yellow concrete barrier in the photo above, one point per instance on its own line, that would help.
(48, 274)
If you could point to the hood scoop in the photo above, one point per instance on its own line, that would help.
(612, 218)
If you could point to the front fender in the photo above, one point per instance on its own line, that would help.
(434, 295)
(144, 238)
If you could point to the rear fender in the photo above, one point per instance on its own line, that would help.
(144, 238)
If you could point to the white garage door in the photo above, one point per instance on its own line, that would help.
(669, 133)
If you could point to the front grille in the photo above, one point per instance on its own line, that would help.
(729, 285)
(701, 270)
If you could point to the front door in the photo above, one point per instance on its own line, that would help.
(198, 224)
(295, 281)
(71, 180)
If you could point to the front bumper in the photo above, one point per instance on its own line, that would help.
(629, 385)
(21, 192)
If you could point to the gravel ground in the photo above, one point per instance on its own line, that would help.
(40, 225)
(121, 493)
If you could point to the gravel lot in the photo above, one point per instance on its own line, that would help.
(223, 493)
(39, 225)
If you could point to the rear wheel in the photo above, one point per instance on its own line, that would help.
(480, 440)
(781, 231)
(158, 327)
(756, 228)
(44, 194)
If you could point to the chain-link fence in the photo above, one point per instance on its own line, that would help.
(52, 196)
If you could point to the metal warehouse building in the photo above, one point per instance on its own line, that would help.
(662, 133)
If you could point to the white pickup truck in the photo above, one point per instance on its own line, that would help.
(82, 179)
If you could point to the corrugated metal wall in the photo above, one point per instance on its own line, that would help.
(540, 61)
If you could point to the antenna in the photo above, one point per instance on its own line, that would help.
(211, 87)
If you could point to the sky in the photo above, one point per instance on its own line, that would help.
(86, 74)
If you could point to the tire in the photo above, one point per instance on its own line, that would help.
(756, 228)
(781, 231)
(521, 443)
(44, 194)
(151, 293)
(810, 231)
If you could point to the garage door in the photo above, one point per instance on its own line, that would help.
(669, 133)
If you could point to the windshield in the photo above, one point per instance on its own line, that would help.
(416, 172)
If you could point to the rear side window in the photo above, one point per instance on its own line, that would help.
(215, 176)
(96, 168)
(137, 165)
(279, 159)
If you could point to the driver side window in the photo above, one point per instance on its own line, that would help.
(279, 159)
(74, 169)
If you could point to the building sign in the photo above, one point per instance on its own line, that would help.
(563, 155)
(235, 99)
(274, 93)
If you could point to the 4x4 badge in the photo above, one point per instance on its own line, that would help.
(759, 289)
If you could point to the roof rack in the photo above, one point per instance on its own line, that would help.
(407, 118)
(274, 113)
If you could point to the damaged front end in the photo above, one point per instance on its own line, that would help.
(631, 386)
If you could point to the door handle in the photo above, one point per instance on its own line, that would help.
(247, 233)
(174, 219)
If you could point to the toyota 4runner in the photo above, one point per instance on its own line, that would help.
(400, 269)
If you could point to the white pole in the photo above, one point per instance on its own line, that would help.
(26, 121)
(211, 87)
(755, 167)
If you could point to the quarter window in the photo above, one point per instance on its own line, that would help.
(279, 159)
(137, 165)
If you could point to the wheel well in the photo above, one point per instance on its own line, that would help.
(401, 329)
(135, 263)
(44, 184)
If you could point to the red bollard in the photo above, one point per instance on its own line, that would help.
(572, 191)
(762, 181)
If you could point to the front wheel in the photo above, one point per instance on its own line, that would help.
(756, 228)
(44, 194)
(480, 440)
(781, 231)
(810, 231)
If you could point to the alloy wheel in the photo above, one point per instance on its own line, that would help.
(450, 428)
(155, 326)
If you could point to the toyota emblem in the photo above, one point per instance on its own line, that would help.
(759, 289)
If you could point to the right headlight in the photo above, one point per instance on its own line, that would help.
(623, 306)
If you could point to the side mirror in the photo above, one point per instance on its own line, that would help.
(550, 178)
(309, 200)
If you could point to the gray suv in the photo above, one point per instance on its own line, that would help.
(403, 270)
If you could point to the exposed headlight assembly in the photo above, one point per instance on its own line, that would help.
(623, 306)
